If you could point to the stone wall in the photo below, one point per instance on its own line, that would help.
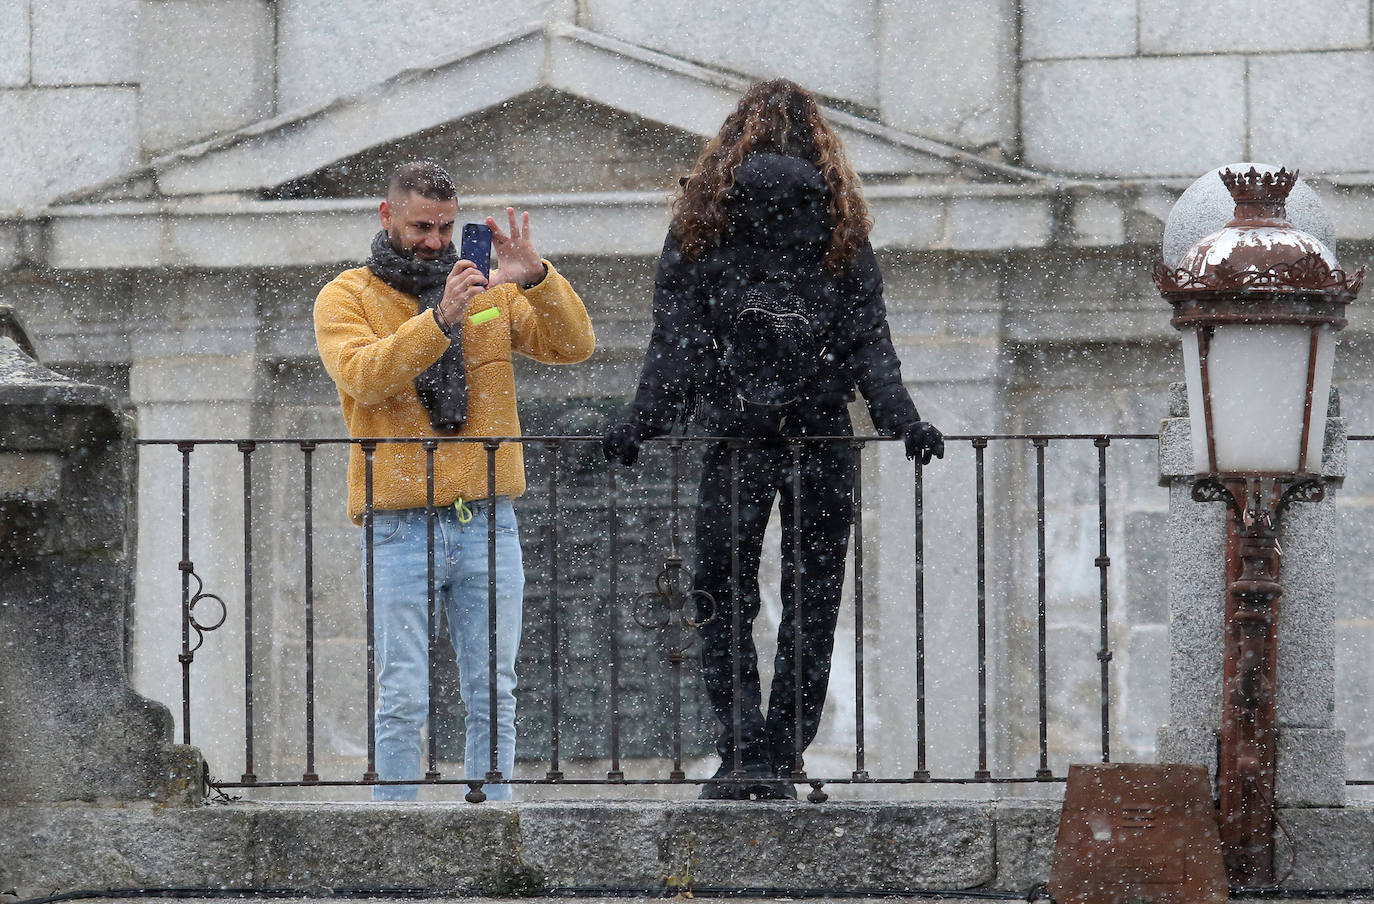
(103, 87)
(1118, 91)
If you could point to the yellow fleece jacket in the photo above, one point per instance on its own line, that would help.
(374, 344)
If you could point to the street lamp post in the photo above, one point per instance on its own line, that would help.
(1258, 304)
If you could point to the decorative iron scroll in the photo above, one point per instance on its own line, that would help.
(1209, 489)
(1313, 490)
(1309, 273)
(669, 594)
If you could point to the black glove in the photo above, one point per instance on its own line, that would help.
(622, 442)
(924, 440)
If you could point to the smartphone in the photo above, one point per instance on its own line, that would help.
(476, 246)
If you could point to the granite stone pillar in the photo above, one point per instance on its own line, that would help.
(1311, 759)
(71, 726)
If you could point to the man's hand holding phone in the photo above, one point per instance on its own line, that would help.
(469, 276)
(464, 283)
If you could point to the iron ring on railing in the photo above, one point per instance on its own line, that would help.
(200, 628)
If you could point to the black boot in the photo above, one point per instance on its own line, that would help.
(756, 783)
(774, 789)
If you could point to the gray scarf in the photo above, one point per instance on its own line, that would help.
(443, 387)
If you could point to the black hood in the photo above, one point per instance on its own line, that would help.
(779, 202)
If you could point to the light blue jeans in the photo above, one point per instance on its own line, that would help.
(400, 602)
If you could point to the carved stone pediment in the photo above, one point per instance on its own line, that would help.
(544, 141)
(529, 86)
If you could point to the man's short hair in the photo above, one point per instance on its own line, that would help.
(423, 177)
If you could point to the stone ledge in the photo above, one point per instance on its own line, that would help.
(529, 848)
(627, 847)
(228, 231)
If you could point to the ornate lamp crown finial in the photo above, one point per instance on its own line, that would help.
(1254, 187)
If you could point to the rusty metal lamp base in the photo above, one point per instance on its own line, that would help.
(1138, 833)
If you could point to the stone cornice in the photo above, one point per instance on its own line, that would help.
(228, 231)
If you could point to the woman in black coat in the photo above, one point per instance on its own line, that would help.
(768, 314)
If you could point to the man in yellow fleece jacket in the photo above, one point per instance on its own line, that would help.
(419, 344)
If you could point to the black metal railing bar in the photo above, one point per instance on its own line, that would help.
(671, 588)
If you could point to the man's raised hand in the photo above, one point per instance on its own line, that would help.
(520, 263)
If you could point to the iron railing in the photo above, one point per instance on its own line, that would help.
(671, 594)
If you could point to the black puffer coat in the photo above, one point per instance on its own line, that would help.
(779, 224)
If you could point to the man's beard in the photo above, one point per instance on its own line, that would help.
(398, 245)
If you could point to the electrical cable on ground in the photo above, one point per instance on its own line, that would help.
(1033, 894)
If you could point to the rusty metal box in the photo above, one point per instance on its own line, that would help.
(1136, 833)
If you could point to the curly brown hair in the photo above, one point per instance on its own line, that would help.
(778, 116)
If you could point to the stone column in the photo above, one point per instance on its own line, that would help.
(71, 727)
(1311, 757)
(192, 376)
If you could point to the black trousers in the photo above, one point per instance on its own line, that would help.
(807, 630)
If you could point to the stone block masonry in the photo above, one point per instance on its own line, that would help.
(533, 848)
